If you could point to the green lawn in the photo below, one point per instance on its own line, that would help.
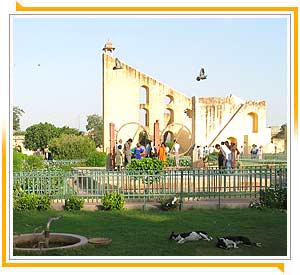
(138, 233)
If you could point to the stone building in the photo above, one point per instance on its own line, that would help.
(134, 101)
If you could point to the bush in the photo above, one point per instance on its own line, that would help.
(184, 161)
(146, 169)
(71, 147)
(146, 165)
(170, 144)
(96, 159)
(113, 201)
(273, 198)
(18, 161)
(34, 163)
(74, 203)
(30, 201)
(23, 162)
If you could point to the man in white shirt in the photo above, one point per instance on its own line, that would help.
(176, 152)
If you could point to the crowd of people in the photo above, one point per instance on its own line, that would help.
(256, 152)
(227, 155)
(124, 153)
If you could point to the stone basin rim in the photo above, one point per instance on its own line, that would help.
(81, 241)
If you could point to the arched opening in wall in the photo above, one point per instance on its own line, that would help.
(144, 95)
(254, 121)
(168, 116)
(168, 139)
(168, 99)
(187, 113)
(144, 117)
(143, 138)
(232, 140)
(168, 136)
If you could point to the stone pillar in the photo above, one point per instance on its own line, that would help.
(156, 135)
(112, 146)
(195, 138)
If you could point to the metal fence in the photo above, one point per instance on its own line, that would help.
(202, 183)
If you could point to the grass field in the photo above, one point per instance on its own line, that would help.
(146, 233)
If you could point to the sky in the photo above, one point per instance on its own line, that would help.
(56, 66)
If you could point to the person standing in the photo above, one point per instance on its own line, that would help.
(241, 154)
(221, 157)
(120, 142)
(162, 153)
(234, 151)
(46, 152)
(119, 157)
(176, 147)
(148, 149)
(138, 151)
(127, 151)
(260, 152)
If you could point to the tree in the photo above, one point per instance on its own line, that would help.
(66, 130)
(282, 132)
(17, 113)
(71, 147)
(95, 128)
(39, 135)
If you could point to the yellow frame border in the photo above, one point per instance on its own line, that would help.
(21, 8)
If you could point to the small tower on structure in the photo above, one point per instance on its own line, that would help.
(108, 47)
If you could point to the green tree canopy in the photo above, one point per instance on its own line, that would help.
(39, 135)
(95, 128)
(71, 147)
(66, 130)
(17, 113)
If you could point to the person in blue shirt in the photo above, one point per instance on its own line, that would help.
(138, 151)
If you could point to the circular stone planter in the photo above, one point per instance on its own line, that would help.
(57, 241)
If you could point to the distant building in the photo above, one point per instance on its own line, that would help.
(279, 138)
(18, 144)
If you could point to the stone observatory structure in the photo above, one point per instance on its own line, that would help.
(135, 102)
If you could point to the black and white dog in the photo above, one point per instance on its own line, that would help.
(229, 242)
(190, 236)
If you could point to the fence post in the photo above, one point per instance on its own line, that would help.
(219, 191)
(181, 190)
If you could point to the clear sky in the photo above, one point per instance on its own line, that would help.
(56, 62)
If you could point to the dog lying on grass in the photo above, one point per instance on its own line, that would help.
(190, 236)
(229, 242)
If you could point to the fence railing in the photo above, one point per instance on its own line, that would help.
(203, 183)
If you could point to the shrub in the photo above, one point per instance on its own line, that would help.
(170, 144)
(43, 202)
(274, 198)
(30, 201)
(113, 201)
(146, 165)
(34, 163)
(146, 169)
(23, 162)
(96, 159)
(18, 161)
(184, 161)
(74, 203)
(71, 147)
